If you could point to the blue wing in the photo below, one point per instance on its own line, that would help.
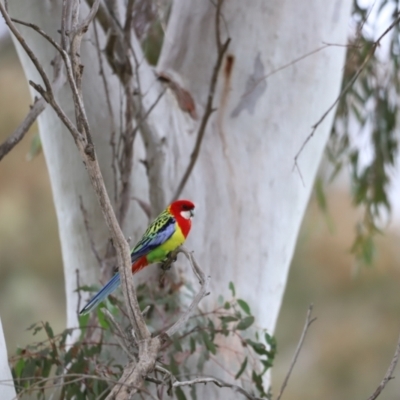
(112, 284)
(157, 234)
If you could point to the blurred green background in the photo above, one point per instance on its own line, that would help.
(348, 348)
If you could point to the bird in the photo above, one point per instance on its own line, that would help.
(164, 235)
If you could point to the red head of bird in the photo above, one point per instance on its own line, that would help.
(183, 211)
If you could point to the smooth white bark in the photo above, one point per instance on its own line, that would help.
(251, 198)
(7, 389)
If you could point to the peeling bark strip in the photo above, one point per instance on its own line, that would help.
(255, 88)
(183, 96)
(230, 59)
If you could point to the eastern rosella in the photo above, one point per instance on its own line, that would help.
(167, 232)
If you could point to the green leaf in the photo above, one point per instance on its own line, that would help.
(267, 365)
(257, 379)
(320, 194)
(208, 343)
(19, 366)
(245, 323)
(259, 348)
(31, 326)
(228, 318)
(179, 394)
(49, 330)
(192, 345)
(177, 345)
(244, 306)
(271, 341)
(87, 288)
(83, 322)
(37, 329)
(242, 368)
(35, 149)
(227, 305)
(102, 319)
(232, 288)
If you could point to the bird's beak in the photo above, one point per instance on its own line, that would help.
(191, 213)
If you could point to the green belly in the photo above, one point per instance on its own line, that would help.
(161, 252)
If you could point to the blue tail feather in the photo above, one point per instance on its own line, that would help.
(109, 287)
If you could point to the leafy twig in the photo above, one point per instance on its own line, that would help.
(346, 88)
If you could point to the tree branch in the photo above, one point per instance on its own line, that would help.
(88, 157)
(38, 106)
(346, 88)
(307, 324)
(222, 48)
(389, 373)
(203, 292)
(217, 382)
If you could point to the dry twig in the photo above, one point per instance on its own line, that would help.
(345, 89)
(389, 373)
(89, 232)
(219, 383)
(38, 106)
(222, 48)
(307, 324)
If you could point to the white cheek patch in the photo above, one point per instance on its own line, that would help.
(186, 214)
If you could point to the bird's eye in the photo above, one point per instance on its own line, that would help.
(185, 207)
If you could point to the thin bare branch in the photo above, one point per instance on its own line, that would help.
(78, 285)
(39, 31)
(110, 111)
(222, 48)
(219, 383)
(284, 66)
(121, 337)
(347, 87)
(89, 232)
(25, 46)
(389, 373)
(146, 208)
(38, 106)
(203, 292)
(76, 68)
(307, 324)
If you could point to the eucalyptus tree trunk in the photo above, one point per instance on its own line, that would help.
(7, 389)
(251, 198)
